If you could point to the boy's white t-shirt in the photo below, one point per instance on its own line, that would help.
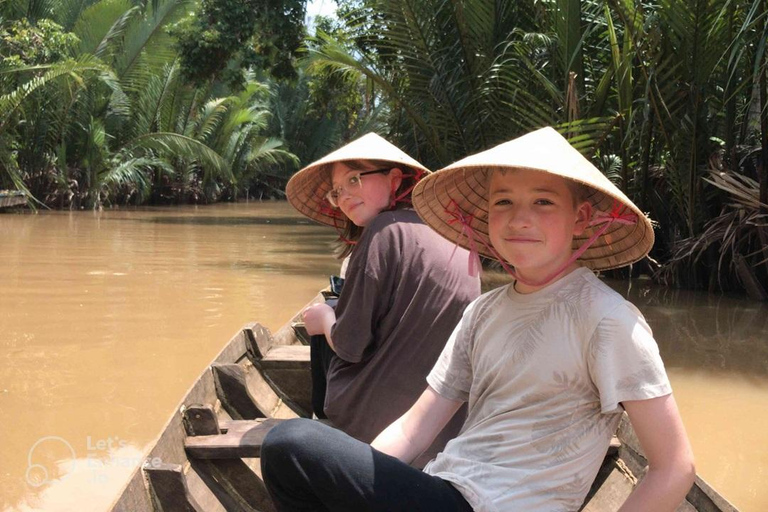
(544, 374)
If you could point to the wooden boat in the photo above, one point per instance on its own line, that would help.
(206, 458)
(9, 198)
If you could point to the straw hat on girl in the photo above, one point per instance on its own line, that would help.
(307, 189)
(454, 200)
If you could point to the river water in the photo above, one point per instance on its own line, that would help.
(107, 318)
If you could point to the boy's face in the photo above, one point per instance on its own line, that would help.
(533, 218)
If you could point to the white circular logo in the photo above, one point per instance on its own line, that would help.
(37, 474)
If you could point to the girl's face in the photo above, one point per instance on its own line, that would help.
(533, 218)
(363, 201)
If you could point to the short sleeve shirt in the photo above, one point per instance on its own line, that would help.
(405, 290)
(544, 375)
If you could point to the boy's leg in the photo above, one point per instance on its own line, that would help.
(320, 354)
(310, 466)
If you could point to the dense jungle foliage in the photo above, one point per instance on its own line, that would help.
(107, 102)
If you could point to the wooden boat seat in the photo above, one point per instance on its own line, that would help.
(208, 437)
(239, 439)
(287, 357)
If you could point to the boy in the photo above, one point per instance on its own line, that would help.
(546, 364)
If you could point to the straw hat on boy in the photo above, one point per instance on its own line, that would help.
(454, 200)
(307, 188)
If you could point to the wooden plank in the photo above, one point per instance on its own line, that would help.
(259, 341)
(301, 332)
(169, 488)
(236, 349)
(287, 369)
(267, 397)
(235, 483)
(168, 448)
(705, 499)
(611, 487)
(200, 420)
(290, 357)
(294, 388)
(613, 447)
(244, 440)
(232, 390)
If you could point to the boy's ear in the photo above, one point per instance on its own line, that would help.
(583, 216)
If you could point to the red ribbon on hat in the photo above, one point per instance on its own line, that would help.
(458, 215)
(618, 214)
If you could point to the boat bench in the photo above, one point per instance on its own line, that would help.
(237, 439)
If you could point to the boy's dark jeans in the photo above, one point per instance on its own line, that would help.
(310, 466)
(320, 354)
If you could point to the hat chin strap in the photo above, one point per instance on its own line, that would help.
(617, 214)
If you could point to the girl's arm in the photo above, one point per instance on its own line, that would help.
(671, 470)
(415, 430)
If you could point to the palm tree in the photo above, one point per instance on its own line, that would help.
(114, 121)
(651, 90)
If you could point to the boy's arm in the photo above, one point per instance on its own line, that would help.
(415, 430)
(671, 470)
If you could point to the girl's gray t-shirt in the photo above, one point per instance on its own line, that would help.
(405, 290)
(544, 375)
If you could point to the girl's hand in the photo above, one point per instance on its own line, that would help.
(319, 318)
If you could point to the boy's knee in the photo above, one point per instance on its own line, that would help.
(290, 438)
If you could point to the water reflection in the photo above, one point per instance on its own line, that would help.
(702, 331)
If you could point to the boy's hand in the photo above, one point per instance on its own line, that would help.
(318, 319)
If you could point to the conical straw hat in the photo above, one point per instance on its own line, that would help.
(307, 188)
(466, 183)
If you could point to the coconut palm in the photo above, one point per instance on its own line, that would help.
(114, 122)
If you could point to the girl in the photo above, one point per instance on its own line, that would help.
(405, 286)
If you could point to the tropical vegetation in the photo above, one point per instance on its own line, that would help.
(114, 101)
(668, 97)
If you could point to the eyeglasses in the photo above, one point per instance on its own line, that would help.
(354, 182)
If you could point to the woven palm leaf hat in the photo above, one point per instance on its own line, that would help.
(307, 189)
(454, 200)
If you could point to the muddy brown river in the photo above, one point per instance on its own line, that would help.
(107, 318)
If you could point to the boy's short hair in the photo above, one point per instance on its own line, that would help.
(580, 191)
